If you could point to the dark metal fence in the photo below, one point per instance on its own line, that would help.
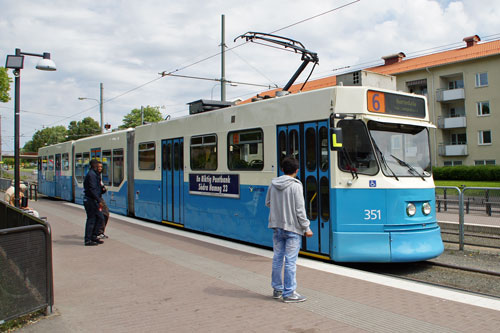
(475, 212)
(26, 282)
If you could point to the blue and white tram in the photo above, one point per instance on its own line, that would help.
(369, 196)
(373, 200)
(55, 171)
(113, 150)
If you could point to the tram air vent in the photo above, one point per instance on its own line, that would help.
(204, 105)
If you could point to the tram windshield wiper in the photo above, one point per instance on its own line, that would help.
(412, 169)
(384, 161)
(354, 172)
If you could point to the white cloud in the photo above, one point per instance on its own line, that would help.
(127, 43)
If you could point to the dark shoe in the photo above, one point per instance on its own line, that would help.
(294, 298)
(91, 243)
(98, 241)
(277, 294)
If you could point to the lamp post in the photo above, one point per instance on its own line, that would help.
(100, 102)
(212, 91)
(16, 62)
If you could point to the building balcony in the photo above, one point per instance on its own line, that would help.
(448, 95)
(452, 150)
(452, 122)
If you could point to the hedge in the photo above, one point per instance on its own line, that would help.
(462, 172)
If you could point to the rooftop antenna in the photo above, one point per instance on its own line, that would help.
(307, 56)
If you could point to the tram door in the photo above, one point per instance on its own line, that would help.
(308, 142)
(57, 178)
(172, 180)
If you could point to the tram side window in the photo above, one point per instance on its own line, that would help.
(118, 170)
(86, 163)
(44, 166)
(245, 150)
(357, 154)
(50, 168)
(78, 168)
(147, 154)
(204, 152)
(106, 170)
(65, 162)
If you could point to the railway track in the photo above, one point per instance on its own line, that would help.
(482, 281)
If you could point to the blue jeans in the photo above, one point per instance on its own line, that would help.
(286, 246)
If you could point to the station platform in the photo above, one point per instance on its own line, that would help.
(153, 278)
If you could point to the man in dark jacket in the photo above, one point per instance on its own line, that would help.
(92, 201)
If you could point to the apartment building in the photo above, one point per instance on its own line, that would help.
(463, 90)
(462, 86)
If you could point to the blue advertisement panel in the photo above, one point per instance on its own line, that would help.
(219, 185)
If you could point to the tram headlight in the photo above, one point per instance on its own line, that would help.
(426, 208)
(411, 209)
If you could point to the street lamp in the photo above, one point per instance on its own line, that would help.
(100, 106)
(16, 62)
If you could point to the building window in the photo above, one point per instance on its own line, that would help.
(452, 163)
(147, 153)
(457, 84)
(245, 150)
(483, 108)
(481, 79)
(484, 137)
(204, 152)
(484, 162)
(459, 139)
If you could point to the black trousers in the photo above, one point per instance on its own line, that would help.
(94, 219)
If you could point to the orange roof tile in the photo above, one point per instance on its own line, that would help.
(441, 58)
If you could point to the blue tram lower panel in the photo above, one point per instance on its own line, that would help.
(116, 200)
(148, 199)
(372, 225)
(60, 187)
(243, 219)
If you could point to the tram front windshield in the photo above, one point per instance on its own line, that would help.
(402, 150)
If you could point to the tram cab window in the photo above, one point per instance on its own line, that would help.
(245, 150)
(147, 154)
(204, 152)
(357, 154)
(78, 168)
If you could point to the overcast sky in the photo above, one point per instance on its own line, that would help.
(125, 44)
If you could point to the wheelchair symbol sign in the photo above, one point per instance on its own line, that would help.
(373, 183)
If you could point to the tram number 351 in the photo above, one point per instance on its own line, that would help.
(372, 214)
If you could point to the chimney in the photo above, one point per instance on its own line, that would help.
(394, 58)
(472, 40)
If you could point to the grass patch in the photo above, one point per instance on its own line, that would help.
(22, 321)
(468, 183)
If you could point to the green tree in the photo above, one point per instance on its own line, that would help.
(5, 81)
(152, 114)
(81, 129)
(45, 137)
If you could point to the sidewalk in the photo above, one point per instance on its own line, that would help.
(142, 279)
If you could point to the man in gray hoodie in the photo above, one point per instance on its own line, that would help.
(288, 218)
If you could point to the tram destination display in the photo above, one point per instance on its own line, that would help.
(220, 185)
(400, 105)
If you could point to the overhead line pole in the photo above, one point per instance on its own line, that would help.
(223, 62)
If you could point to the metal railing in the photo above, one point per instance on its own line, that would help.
(26, 280)
(480, 206)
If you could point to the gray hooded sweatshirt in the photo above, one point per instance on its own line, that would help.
(286, 201)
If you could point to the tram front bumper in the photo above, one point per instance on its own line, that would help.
(405, 246)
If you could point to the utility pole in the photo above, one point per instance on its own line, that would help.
(100, 110)
(223, 62)
(142, 115)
